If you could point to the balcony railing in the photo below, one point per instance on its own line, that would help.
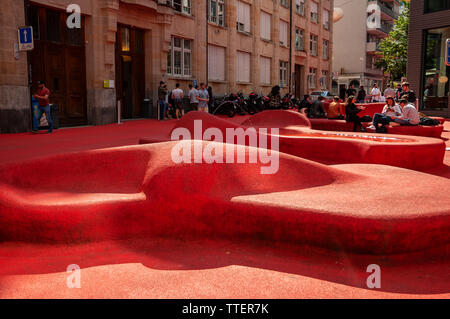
(385, 9)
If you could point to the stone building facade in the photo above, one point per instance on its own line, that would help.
(126, 47)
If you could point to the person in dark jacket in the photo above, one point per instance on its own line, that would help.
(317, 109)
(410, 93)
(305, 104)
(361, 95)
(351, 114)
(275, 98)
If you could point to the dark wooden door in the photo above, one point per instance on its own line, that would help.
(59, 60)
(130, 71)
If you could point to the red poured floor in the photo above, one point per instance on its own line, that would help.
(194, 268)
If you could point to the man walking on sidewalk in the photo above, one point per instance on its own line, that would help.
(42, 95)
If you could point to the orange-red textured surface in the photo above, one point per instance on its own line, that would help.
(218, 267)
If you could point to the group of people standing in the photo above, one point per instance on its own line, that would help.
(199, 99)
(376, 94)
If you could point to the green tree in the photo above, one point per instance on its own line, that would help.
(394, 48)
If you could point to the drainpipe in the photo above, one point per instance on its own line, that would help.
(207, 40)
(290, 45)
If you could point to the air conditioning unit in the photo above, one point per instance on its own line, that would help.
(240, 26)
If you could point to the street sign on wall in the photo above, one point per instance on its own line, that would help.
(26, 41)
(447, 55)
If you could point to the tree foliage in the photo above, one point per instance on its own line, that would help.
(394, 48)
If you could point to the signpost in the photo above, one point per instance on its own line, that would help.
(26, 41)
(447, 53)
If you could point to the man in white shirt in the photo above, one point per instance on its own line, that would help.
(177, 97)
(376, 93)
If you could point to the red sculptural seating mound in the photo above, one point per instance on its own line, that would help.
(296, 138)
(139, 191)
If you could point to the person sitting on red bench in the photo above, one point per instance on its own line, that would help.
(391, 111)
(336, 110)
(410, 114)
(351, 112)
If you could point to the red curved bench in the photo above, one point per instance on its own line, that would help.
(412, 152)
(420, 130)
(139, 192)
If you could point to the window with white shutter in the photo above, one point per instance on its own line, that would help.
(243, 67)
(266, 26)
(243, 16)
(300, 7)
(283, 33)
(265, 66)
(326, 19)
(314, 12)
(216, 63)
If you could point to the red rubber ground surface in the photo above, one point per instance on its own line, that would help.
(185, 267)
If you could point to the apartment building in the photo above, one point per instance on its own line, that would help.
(356, 39)
(124, 48)
(427, 70)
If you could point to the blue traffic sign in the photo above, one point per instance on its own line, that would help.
(26, 41)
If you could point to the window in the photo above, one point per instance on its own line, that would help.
(217, 12)
(436, 5)
(326, 19)
(243, 16)
(324, 80)
(265, 64)
(266, 26)
(436, 73)
(300, 7)
(325, 49)
(243, 67)
(299, 39)
(312, 78)
(313, 44)
(283, 73)
(285, 3)
(283, 33)
(184, 6)
(314, 12)
(179, 59)
(216, 63)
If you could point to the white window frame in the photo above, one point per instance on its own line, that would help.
(300, 7)
(239, 68)
(270, 26)
(240, 24)
(185, 6)
(184, 72)
(312, 78)
(284, 42)
(214, 73)
(314, 15)
(324, 80)
(313, 44)
(284, 3)
(326, 49)
(263, 71)
(284, 66)
(326, 19)
(300, 34)
(216, 19)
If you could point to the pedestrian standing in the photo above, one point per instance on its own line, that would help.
(162, 96)
(193, 95)
(177, 97)
(42, 95)
(389, 92)
(203, 98)
(376, 93)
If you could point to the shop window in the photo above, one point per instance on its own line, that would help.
(436, 5)
(436, 72)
